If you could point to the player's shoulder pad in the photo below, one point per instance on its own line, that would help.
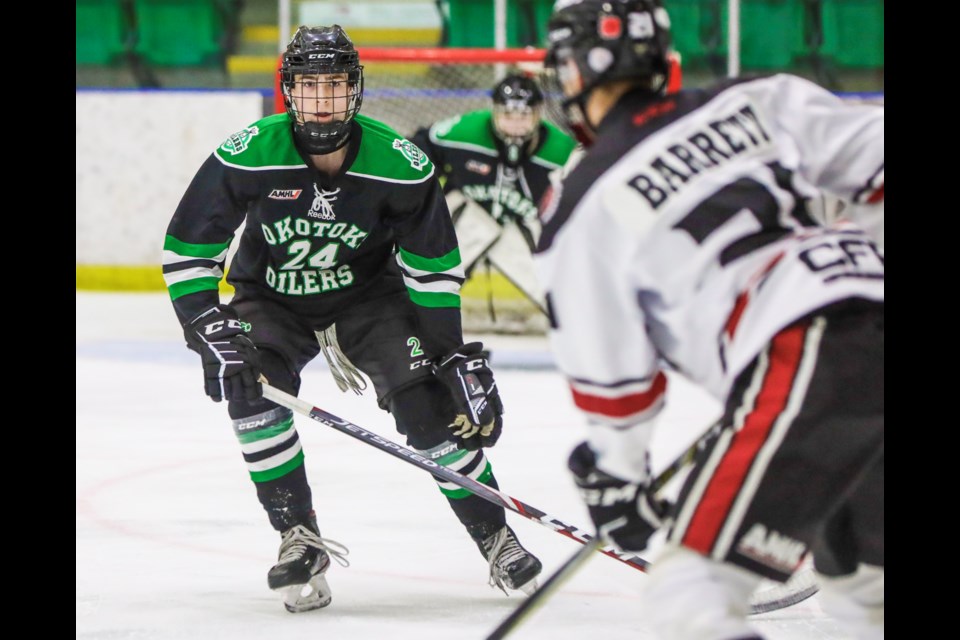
(471, 128)
(557, 146)
(265, 144)
(387, 156)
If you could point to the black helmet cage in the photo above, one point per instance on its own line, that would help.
(592, 42)
(321, 51)
(517, 92)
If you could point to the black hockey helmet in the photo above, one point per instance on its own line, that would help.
(592, 42)
(517, 89)
(517, 105)
(321, 51)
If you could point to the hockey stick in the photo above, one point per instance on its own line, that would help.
(489, 494)
(800, 587)
(535, 600)
(512, 504)
(538, 597)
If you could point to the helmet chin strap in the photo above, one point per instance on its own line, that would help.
(576, 113)
(515, 149)
(316, 143)
(513, 153)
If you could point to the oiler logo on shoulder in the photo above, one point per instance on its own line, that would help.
(413, 154)
(238, 142)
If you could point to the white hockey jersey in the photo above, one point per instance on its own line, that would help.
(683, 239)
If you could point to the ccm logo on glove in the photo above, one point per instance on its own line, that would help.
(218, 325)
(473, 365)
(231, 362)
(467, 375)
(608, 496)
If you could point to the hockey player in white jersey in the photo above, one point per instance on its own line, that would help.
(683, 241)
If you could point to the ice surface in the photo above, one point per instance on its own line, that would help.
(172, 543)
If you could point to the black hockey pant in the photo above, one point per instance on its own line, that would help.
(379, 338)
(798, 466)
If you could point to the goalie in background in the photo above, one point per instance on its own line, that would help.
(494, 165)
(684, 239)
(348, 250)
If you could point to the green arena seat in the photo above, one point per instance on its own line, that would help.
(853, 32)
(180, 32)
(470, 23)
(692, 22)
(104, 31)
(772, 34)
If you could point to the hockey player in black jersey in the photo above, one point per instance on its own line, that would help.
(494, 165)
(683, 242)
(348, 249)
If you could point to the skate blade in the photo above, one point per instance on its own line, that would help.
(315, 594)
(529, 587)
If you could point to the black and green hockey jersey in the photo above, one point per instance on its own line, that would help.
(312, 242)
(466, 153)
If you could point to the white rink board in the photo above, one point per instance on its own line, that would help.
(136, 154)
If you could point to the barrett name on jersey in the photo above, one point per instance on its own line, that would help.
(690, 209)
(311, 241)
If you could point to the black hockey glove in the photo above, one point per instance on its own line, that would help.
(231, 362)
(467, 374)
(623, 512)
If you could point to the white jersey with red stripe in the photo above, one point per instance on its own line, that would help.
(682, 238)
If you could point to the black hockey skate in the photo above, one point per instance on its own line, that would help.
(304, 558)
(511, 566)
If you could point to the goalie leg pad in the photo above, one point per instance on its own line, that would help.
(476, 229)
(511, 256)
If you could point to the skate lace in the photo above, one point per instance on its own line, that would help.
(294, 543)
(503, 549)
(344, 373)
